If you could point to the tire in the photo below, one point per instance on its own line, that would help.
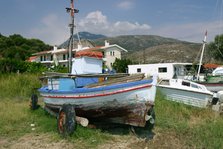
(151, 122)
(34, 102)
(66, 120)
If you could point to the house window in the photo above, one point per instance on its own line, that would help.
(64, 56)
(162, 69)
(44, 58)
(113, 53)
(138, 69)
(110, 53)
(41, 58)
(51, 57)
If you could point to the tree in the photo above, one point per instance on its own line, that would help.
(121, 65)
(17, 47)
(216, 48)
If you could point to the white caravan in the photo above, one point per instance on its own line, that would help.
(163, 70)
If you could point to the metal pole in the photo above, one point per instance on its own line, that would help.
(202, 53)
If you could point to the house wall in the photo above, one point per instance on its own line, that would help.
(111, 54)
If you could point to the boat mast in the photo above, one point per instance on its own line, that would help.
(71, 10)
(202, 53)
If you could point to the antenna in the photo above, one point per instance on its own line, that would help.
(72, 11)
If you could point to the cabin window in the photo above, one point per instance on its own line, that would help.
(186, 83)
(138, 69)
(194, 86)
(162, 69)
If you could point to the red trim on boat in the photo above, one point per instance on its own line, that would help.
(99, 95)
(212, 84)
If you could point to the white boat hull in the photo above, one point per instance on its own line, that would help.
(192, 98)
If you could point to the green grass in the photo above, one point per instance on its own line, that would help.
(18, 86)
(193, 127)
(196, 127)
(16, 120)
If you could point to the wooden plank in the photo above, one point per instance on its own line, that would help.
(67, 75)
(131, 78)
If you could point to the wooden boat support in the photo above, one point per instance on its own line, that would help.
(80, 120)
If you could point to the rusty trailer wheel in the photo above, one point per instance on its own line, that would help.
(66, 123)
(34, 102)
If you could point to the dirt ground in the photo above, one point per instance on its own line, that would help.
(131, 141)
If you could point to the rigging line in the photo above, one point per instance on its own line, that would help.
(197, 57)
(219, 51)
(220, 22)
(78, 37)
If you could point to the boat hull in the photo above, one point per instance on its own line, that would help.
(197, 99)
(126, 103)
(214, 87)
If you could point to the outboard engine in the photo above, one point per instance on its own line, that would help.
(217, 102)
(220, 96)
(217, 97)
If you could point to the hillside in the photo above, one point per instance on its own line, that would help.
(142, 48)
(155, 49)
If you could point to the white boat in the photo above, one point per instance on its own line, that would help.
(186, 92)
(212, 82)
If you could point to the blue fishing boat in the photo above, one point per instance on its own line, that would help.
(126, 101)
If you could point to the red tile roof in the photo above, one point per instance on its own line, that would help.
(31, 59)
(210, 66)
(90, 53)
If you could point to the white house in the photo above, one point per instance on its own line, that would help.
(109, 51)
(163, 70)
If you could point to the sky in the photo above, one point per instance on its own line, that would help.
(47, 20)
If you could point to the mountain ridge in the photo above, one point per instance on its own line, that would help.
(152, 48)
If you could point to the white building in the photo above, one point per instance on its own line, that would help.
(163, 70)
(109, 51)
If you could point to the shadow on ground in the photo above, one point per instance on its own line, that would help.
(119, 129)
